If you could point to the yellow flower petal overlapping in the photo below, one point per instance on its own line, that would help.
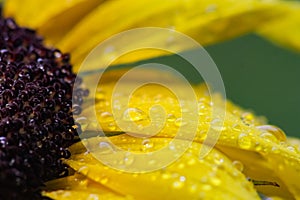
(90, 22)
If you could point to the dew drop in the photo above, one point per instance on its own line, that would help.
(93, 197)
(84, 122)
(244, 141)
(134, 115)
(117, 105)
(111, 126)
(105, 148)
(275, 150)
(106, 117)
(147, 144)
(291, 148)
(268, 136)
(178, 122)
(172, 147)
(238, 165)
(83, 183)
(171, 118)
(129, 159)
(275, 131)
(180, 183)
(236, 127)
(83, 170)
(152, 162)
(182, 178)
(217, 125)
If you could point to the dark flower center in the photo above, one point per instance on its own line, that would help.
(36, 115)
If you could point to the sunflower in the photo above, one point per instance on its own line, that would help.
(199, 146)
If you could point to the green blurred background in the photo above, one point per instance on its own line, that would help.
(263, 77)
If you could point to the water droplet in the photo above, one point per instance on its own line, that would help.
(178, 122)
(244, 141)
(275, 150)
(172, 147)
(140, 127)
(182, 178)
(180, 183)
(147, 144)
(134, 114)
(83, 121)
(217, 125)
(171, 118)
(106, 117)
(258, 146)
(238, 165)
(117, 105)
(291, 148)
(236, 127)
(83, 170)
(129, 159)
(93, 197)
(152, 162)
(218, 161)
(112, 127)
(268, 136)
(275, 131)
(105, 148)
(83, 183)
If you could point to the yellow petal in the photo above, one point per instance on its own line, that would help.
(81, 188)
(214, 177)
(206, 21)
(286, 29)
(261, 148)
(52, 19)
(83, 21)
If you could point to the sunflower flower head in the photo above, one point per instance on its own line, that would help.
(36, 123)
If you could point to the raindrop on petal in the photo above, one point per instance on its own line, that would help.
(238, 165)
(244, 141)
(275, 131)
(134, 115)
